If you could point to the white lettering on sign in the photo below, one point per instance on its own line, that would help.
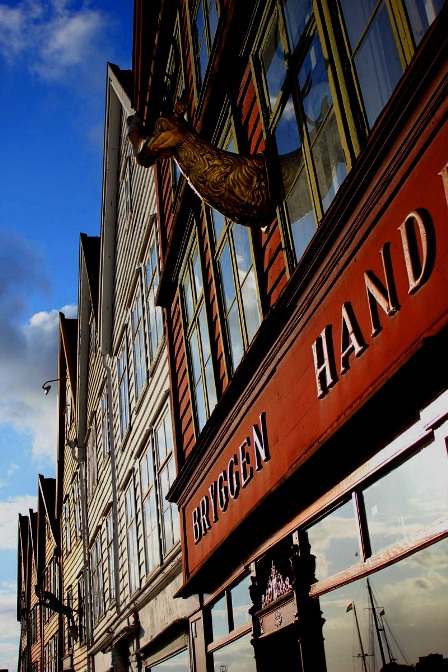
(418, 245)
(241, 468)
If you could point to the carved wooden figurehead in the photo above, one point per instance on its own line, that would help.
(235, 185)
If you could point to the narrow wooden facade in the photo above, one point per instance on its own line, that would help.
(306, 359)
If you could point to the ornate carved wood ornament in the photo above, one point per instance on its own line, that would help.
(235, 185)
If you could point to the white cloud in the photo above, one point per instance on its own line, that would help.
(28, 348)
(9, 627)
(9, 518)
(11, 469)
(24, 369)
(56, 40)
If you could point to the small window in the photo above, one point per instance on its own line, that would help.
(131, 538)
(77, 506)
(105, 424)
(154, 313)
(205, 17)
(67, 526)
(92, 459)
(111, 555)
(202, 377)
(123, 389)
(97, 579)
(138, 345)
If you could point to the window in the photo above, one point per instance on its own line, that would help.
(105, 424)
(154, 313)
(111, 555)
(81, 609)
(238, 286)
(177, 663)
(67, 528)
(92, 335)
(51, 583)
(149, 505)
(205, 18)
(175, 84)
(69, 621)
(229, 612)
(77, 506)
(96, 569)
(157, 473)
(68, 407)
(396, 615)
(92, 459)
(123, 389)
(202, 378)
(131, 538)
(128, 188)
(300, 114)
(51, 655)
(138, 345)
(318, 123)
(33, 626)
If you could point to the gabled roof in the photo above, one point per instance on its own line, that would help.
(46, 510)
(90, 249)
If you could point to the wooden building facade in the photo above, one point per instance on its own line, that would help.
(307, 353)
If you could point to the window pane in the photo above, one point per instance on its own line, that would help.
(334, 541)
(212, 19)
(314, 88)
(410, 600)
(227, 277)
(188, 297)
(200, 403)
(241, 602)
(236, 657)
(220, 625)
(195, 355)
(250, 305)
(408, 498)
(297, 13)
(210, 383)
(243, 255)
(356, 15)
(329, 161)
(197, 274)
(421, 14)
(236, 341)
(178, 663)
(218, 223)
(274, 63)
(378, 65)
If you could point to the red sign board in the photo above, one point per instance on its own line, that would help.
(388, 293)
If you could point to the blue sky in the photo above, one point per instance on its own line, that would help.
(53, 57)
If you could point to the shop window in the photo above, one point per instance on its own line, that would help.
(180, 662)
(131, 539)
(205, 17)
(231, 629)
(111, 555)
(396, 616)
(391, 510)
(97, 579)
(123, 389)
(203, 389)
(138, 345)
(154, 313)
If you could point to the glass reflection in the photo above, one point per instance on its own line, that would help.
(236, 657)
(409, 599)
(297, 13)
(378, 65)
(220, 624)
(408, 498)
(241, 602)
(421, 14)
(274, 63)
(334, 541)
(178, 663)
